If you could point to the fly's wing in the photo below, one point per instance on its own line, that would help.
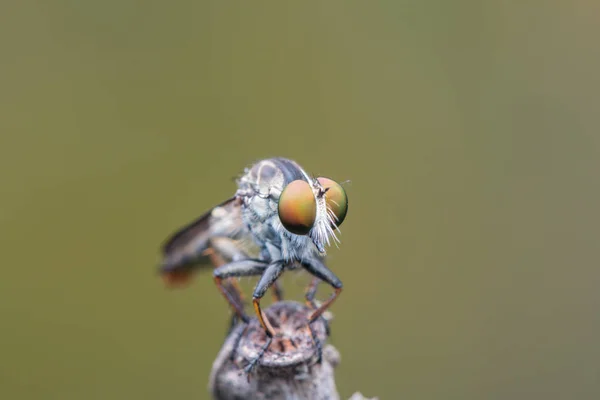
(188, 249)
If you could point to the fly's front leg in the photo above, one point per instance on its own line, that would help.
(272, 272)
(270, 275)
(270, 252)
(237, 269)
(320, 271)
(309, 295)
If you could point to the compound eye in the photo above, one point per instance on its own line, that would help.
(297, 207)
(336, 199)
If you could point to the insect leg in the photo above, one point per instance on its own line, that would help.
(216, 258)
(223, 248)
(270, 275)
(276, 288)
(311, 291)
(319, 270)
(266, 280)
(309, 295)
(226, 248)
(236, 269)
(218, 251)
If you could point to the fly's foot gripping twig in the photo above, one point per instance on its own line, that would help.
(293, 343)
(254, 365)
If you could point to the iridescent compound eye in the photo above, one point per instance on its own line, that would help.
(297, 207)
(336, 199)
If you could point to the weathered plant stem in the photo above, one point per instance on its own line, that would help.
(287, 370)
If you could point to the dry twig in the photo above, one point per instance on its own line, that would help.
(287, 370)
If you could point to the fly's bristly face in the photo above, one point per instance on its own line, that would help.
(290, 209)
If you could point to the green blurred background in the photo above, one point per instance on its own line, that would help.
(469, 130)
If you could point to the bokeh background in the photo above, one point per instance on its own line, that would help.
(469, 131)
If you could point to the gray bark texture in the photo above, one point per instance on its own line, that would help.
(288, 370)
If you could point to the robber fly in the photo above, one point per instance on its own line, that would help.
(279, 218)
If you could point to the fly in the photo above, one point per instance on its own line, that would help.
(279, 218)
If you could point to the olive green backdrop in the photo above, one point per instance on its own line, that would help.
(469, 131)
